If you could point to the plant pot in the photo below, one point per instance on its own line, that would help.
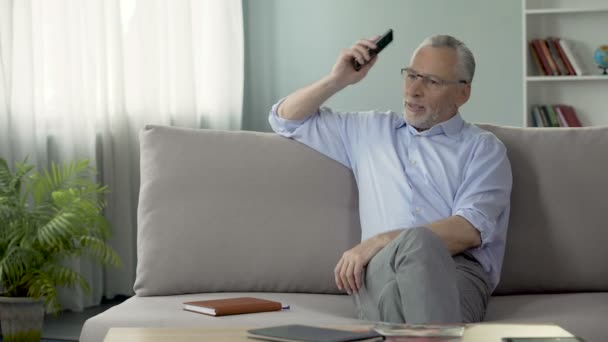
(22, 319)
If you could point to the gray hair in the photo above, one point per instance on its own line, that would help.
(466, 61)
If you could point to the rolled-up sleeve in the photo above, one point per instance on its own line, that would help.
(483, 197)
(332, 134)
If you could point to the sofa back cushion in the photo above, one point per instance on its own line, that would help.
(244, 211)
(239, 211)
(558, 230)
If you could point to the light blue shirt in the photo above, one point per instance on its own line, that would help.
(408, 178)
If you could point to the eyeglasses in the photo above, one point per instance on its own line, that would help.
(430, 82)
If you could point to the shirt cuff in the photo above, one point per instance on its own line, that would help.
(284, 126)
(479, 222)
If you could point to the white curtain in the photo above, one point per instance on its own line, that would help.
(80, 78)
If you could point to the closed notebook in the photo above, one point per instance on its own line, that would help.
(307, 333)
(233, 306)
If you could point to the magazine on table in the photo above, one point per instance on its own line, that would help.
(420, 332)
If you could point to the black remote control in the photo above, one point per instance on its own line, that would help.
(380, 45)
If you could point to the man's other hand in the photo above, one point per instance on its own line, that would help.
(349, 270)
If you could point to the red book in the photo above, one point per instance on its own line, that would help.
(543, 58)
(570, 116)
(563, 56)
(233, 306)
(562, 109)
(561, 66)
(547, 53)
(537, 60)
(572, 112)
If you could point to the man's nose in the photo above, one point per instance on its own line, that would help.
(415, 88)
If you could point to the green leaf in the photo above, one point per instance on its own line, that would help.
(47, 216)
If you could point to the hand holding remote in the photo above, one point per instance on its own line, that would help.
(381, 43)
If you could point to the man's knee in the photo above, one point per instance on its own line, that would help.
(412, 241)
(420, 245)
(419, 238)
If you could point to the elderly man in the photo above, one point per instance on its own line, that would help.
(434, 190)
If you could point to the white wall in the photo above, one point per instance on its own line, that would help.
(291, 43)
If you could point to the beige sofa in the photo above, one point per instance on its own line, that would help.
(225, 214)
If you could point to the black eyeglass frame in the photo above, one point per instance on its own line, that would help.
(439, 80)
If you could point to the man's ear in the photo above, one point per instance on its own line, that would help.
(463, 94)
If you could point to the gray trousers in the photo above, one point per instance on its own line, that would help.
(415, 280)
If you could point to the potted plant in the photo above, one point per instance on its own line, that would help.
(46, 218)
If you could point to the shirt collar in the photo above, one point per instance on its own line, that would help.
(451, 128)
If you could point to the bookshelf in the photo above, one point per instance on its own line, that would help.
(583, 24)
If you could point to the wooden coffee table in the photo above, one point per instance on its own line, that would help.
(482, 332)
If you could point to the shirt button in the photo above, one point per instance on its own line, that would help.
(418, 210)
(413, 162)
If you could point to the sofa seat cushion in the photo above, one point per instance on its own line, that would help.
(583, 314)
(166, 311)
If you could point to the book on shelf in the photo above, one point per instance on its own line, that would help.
(536, 57)
(562, 55)
(547, 54)
(561, 66)
(555, 57)
(546, 69)
(544, 116)
(567, 46)
(570, 115)
(536, 119)
(554, 116)
(561, 117)
(233, 306)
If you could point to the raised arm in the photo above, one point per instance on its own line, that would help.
(304, 102)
